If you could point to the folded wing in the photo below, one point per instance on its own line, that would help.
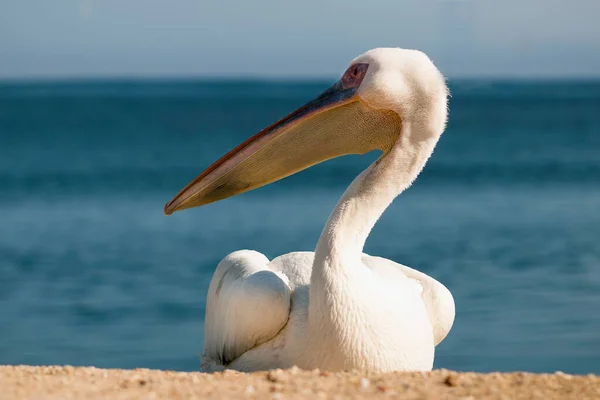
(437, 298)
(247, 304)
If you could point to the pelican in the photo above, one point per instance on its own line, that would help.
(337, 308)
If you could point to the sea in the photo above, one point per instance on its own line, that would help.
(506, 214)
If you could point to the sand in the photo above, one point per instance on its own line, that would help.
(24, 382)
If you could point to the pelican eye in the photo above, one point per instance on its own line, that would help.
(354, 75)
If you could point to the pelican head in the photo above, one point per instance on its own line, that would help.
(382, 91)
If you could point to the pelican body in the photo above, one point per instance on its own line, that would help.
(337, 308)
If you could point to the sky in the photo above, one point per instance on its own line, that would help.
(45, 39)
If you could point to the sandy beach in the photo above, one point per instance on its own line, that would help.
(25, 382)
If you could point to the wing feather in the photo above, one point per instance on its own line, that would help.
(437, 298)
(247, 304)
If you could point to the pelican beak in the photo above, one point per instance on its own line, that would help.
(334, 124)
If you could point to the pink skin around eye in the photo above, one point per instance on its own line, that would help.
(354, 75)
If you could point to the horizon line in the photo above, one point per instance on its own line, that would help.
(100, 79)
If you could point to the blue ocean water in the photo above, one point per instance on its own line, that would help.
(506, 215)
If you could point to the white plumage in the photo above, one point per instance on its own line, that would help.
(265, 310)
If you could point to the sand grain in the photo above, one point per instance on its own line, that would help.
(24, 382)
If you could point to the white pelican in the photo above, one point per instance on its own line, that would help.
(337, 308)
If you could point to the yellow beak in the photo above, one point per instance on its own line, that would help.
(336, 123)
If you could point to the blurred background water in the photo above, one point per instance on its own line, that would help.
(506, 215)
